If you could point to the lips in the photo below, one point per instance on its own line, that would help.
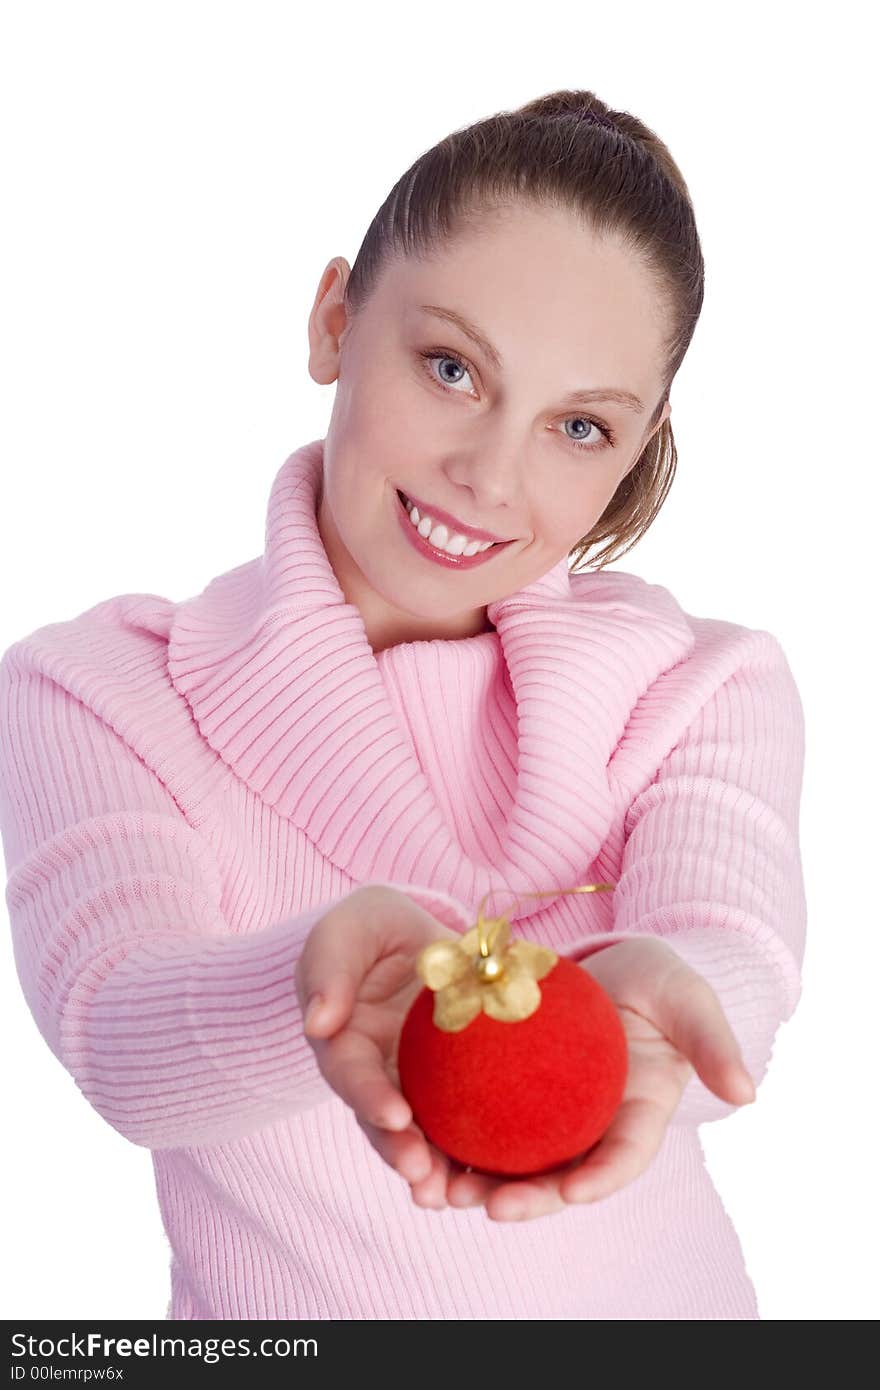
(407, 503)
(439, 516)
(432, 552)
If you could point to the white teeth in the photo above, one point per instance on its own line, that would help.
(453, 542)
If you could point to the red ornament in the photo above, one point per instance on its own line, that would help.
(514, 1059)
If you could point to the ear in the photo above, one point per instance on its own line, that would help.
(667, 410)
(328, 322)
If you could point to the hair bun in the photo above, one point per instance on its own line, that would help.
(582, 105)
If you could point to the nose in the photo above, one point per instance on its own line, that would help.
(489, 484)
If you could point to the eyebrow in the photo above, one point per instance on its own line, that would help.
(476, 335)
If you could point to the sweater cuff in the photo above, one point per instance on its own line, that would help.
(181, 1039)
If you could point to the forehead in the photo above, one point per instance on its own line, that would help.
(534, 277)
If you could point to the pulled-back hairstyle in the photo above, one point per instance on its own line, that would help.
(620, 179)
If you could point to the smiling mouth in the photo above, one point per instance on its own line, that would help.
(481, 547)
(445, 558)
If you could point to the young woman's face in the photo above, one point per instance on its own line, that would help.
(490, 434)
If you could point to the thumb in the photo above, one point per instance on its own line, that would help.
(345, 944)
(690, 1014)
(337, 954)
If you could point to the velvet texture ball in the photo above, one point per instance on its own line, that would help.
(518, 1098)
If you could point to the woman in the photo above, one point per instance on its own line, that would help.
(291, 782)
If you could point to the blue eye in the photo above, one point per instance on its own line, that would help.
(440, 354)
(603, 429)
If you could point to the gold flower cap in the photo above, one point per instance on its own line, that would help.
(485, 970)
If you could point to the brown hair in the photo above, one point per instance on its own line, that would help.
(613, 172)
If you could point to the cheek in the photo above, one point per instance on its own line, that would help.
(588, 502)
(391, 419)
(563, 516)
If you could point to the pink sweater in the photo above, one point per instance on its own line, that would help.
(187, 787)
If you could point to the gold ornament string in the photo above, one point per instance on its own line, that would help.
(485, 970)
(484, 925)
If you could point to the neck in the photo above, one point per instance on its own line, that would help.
(389, 628)
(384, 624)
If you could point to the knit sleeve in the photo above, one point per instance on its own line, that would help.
(177, 1030)
(712, 862)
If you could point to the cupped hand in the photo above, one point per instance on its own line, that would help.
(360, 958)
(674, 1025)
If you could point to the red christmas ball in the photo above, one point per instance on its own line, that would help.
(522, 1097)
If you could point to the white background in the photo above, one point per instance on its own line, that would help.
(176, 177)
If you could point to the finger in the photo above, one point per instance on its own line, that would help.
(467, 1188)
(522, 1199)
(506, 1199)
(689, 1012)
(353, 1065)
(406, 1151)
(432, 1191)
(623, 1153)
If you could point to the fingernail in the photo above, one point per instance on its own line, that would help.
(313, 1008)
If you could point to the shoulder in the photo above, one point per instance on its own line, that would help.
(105, 648)
(720, 663)
(112, 659)
(717, 646)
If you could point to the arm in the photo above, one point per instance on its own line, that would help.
(711, 861)
(177, 1030)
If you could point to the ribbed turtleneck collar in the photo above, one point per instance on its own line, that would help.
(285, 687)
